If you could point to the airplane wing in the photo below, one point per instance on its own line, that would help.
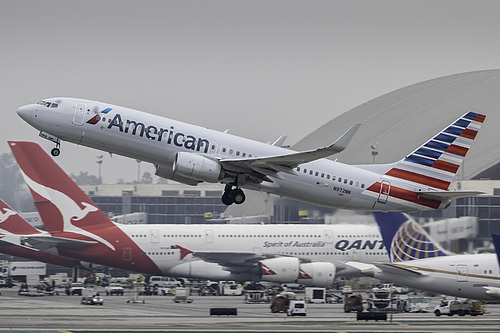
(440, 195)
(47, 242)
(394, 269)
(225, 258)
(243, 261)
(272, 165)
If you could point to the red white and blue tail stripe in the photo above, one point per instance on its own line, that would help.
(435, 163)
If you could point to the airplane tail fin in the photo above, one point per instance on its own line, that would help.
(435, 163)
(496, 243)
(405, 239)
(12, 222)
(62, 205)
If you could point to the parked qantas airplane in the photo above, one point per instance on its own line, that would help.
(191, 154)
(14, 229)
(309, 254)
(419, 262)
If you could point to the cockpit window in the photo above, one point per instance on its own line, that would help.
(48, 104)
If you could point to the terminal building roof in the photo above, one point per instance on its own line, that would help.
(398, 122)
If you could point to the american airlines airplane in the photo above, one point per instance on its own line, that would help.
(308, 254)
(13, 231)
(191, 154)
(419, 262)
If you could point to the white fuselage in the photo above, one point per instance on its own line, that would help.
(233, 245)
(157, 140)
(468, 276)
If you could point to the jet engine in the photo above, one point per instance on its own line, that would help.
(197, 167)
(279, 269)
(165, 171)
(319, 274)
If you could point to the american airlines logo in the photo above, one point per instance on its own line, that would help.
(152, 132)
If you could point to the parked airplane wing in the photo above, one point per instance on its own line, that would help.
(225, 258)
(47, 242)
(400, 270)
(271, 165)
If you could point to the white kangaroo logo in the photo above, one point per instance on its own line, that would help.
(69, 209)
(5, 213)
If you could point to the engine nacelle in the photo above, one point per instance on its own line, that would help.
(279, 269)
(318, 274)
(165, 171)
(197, 167)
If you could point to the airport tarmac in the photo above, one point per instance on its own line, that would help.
(160, 313)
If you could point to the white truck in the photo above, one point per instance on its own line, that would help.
(297, 308)
(461, 308)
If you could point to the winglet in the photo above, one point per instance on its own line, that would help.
(405, 239)
(345, 139)
(496, 242)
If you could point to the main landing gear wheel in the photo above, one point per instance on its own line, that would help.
(231, 196)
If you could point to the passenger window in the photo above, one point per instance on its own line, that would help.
(345, 181)
(237, 153)
(316, 174)
(350, 183)
(310, 172)
(340, 180)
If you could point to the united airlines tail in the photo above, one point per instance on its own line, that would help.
(405, 239)
(496, 242)
(435, 163)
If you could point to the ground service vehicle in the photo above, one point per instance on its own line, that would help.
(90, 296)
(114, 289)
(297, 308)
(353, 303)
(419, 304)
(164, 282)
(458, 307)
(75, 288)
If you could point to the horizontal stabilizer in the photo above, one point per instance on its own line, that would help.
(47, 242)
(443, 195)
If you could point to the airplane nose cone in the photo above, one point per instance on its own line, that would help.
(26, 112)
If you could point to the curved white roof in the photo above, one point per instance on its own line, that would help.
(402, 120)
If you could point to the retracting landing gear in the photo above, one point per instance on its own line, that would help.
(233, 195)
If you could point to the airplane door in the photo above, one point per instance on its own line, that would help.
(79, 115)
(329, 237)
(462, 273)
(385, 188)
(155, 236)
(127, 254)
(209, 236)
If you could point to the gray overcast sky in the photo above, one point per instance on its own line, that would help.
(258, 68)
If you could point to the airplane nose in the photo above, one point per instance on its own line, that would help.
(26, 112)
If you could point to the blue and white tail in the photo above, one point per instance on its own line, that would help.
(496, 243)
(405, 239)
(435, 163)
